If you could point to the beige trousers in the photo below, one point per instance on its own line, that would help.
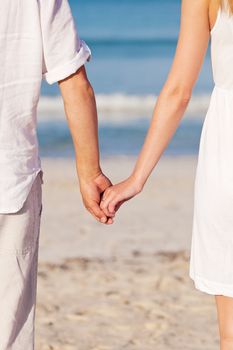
(19, 238)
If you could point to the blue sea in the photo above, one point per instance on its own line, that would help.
(133, 43)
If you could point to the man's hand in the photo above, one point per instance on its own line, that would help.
(92, 191)
(81, 113)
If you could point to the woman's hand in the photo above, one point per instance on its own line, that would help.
(115, 196)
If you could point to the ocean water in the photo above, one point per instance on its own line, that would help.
(133, 43)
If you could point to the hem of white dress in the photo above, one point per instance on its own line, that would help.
(210, 287)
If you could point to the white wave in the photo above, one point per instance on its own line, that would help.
(118, 108)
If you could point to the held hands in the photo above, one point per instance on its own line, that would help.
(115, 196)
(91, 191)
(103, 200)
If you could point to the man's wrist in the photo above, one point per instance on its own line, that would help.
(89, 174)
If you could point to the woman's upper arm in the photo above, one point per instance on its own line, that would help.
(192, 44)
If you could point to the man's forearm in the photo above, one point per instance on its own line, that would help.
(80, 107)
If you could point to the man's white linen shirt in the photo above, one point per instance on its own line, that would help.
(38, 39)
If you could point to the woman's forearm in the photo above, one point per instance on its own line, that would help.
(169, 109)
(190, 52)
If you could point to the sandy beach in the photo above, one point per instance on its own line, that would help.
(124, 286)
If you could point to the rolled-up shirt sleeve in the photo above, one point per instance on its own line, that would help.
(63, 51)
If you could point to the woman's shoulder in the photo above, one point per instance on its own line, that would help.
(214, 6)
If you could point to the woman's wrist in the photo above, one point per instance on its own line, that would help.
(138, 181)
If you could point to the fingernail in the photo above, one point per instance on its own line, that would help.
(103, 220)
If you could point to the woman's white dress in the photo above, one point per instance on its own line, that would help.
(211, 264)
